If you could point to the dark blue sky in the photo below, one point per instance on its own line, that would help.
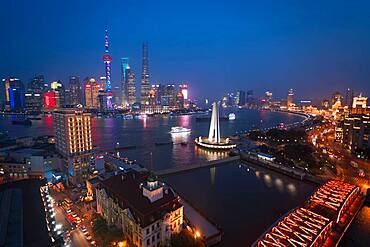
(315, 47)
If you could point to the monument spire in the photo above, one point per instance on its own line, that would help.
(214, 128)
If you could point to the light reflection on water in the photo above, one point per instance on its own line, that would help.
(144, 133)
(269, 180)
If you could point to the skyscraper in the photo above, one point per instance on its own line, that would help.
(10, 99)
(145, 84)
(73, 141)
(91, 91)
(58, 88)
(75, 91)
(240, 98)
(33, 98)
(124, 80)
(349, 97)
(131, 86)
(107, 58)
(290, 100)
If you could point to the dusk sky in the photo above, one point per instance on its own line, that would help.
(314, 47)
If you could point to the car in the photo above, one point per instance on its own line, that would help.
(74, 215)
(361, 173)
(88, 236)
(69, 211)
(78, 220)
(93, 243)
(83, 228)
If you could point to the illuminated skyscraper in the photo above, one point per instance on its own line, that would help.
(58, 88)
(185, 93)
(10, 99)
(73, 141)
(290, 98)
(145, 84)
(131, 86)
(124, 80)
(359, 105)
(91, 92)
(107, 58)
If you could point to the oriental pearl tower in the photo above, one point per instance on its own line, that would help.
(107, 59)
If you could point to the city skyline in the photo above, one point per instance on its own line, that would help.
(299, 44)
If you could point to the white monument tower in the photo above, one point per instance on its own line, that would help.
(214, 140)
(214, 128)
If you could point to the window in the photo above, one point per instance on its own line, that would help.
(147, 231)
(148, 241)
(153, 238)
(158, 235)
(153, 227)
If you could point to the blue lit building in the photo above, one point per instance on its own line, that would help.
(13, 94)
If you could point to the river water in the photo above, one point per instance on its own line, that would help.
(144, 133)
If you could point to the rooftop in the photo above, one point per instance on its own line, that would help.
(26, 205)
(126, 189)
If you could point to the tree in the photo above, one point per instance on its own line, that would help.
(186, 239)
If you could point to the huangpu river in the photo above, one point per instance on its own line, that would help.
(151, 135)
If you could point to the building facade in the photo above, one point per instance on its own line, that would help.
(73, 141)
(146, 210)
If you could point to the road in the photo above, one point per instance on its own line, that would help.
(323, 139)
(77, 237)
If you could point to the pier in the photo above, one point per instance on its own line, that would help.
(211, 163)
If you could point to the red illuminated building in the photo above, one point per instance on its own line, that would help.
(49, 100)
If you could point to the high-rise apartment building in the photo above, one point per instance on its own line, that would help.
(145, 83)
(73, 141)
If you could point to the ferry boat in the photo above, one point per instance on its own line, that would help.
(175, 130)
(232, 116)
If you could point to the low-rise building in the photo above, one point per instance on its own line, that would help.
(146, 210)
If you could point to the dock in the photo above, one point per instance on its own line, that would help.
(186, 168)
(211, 233)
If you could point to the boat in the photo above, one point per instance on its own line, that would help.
(128, 117)
(22, 122)
(175, 130)
(232, 116)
